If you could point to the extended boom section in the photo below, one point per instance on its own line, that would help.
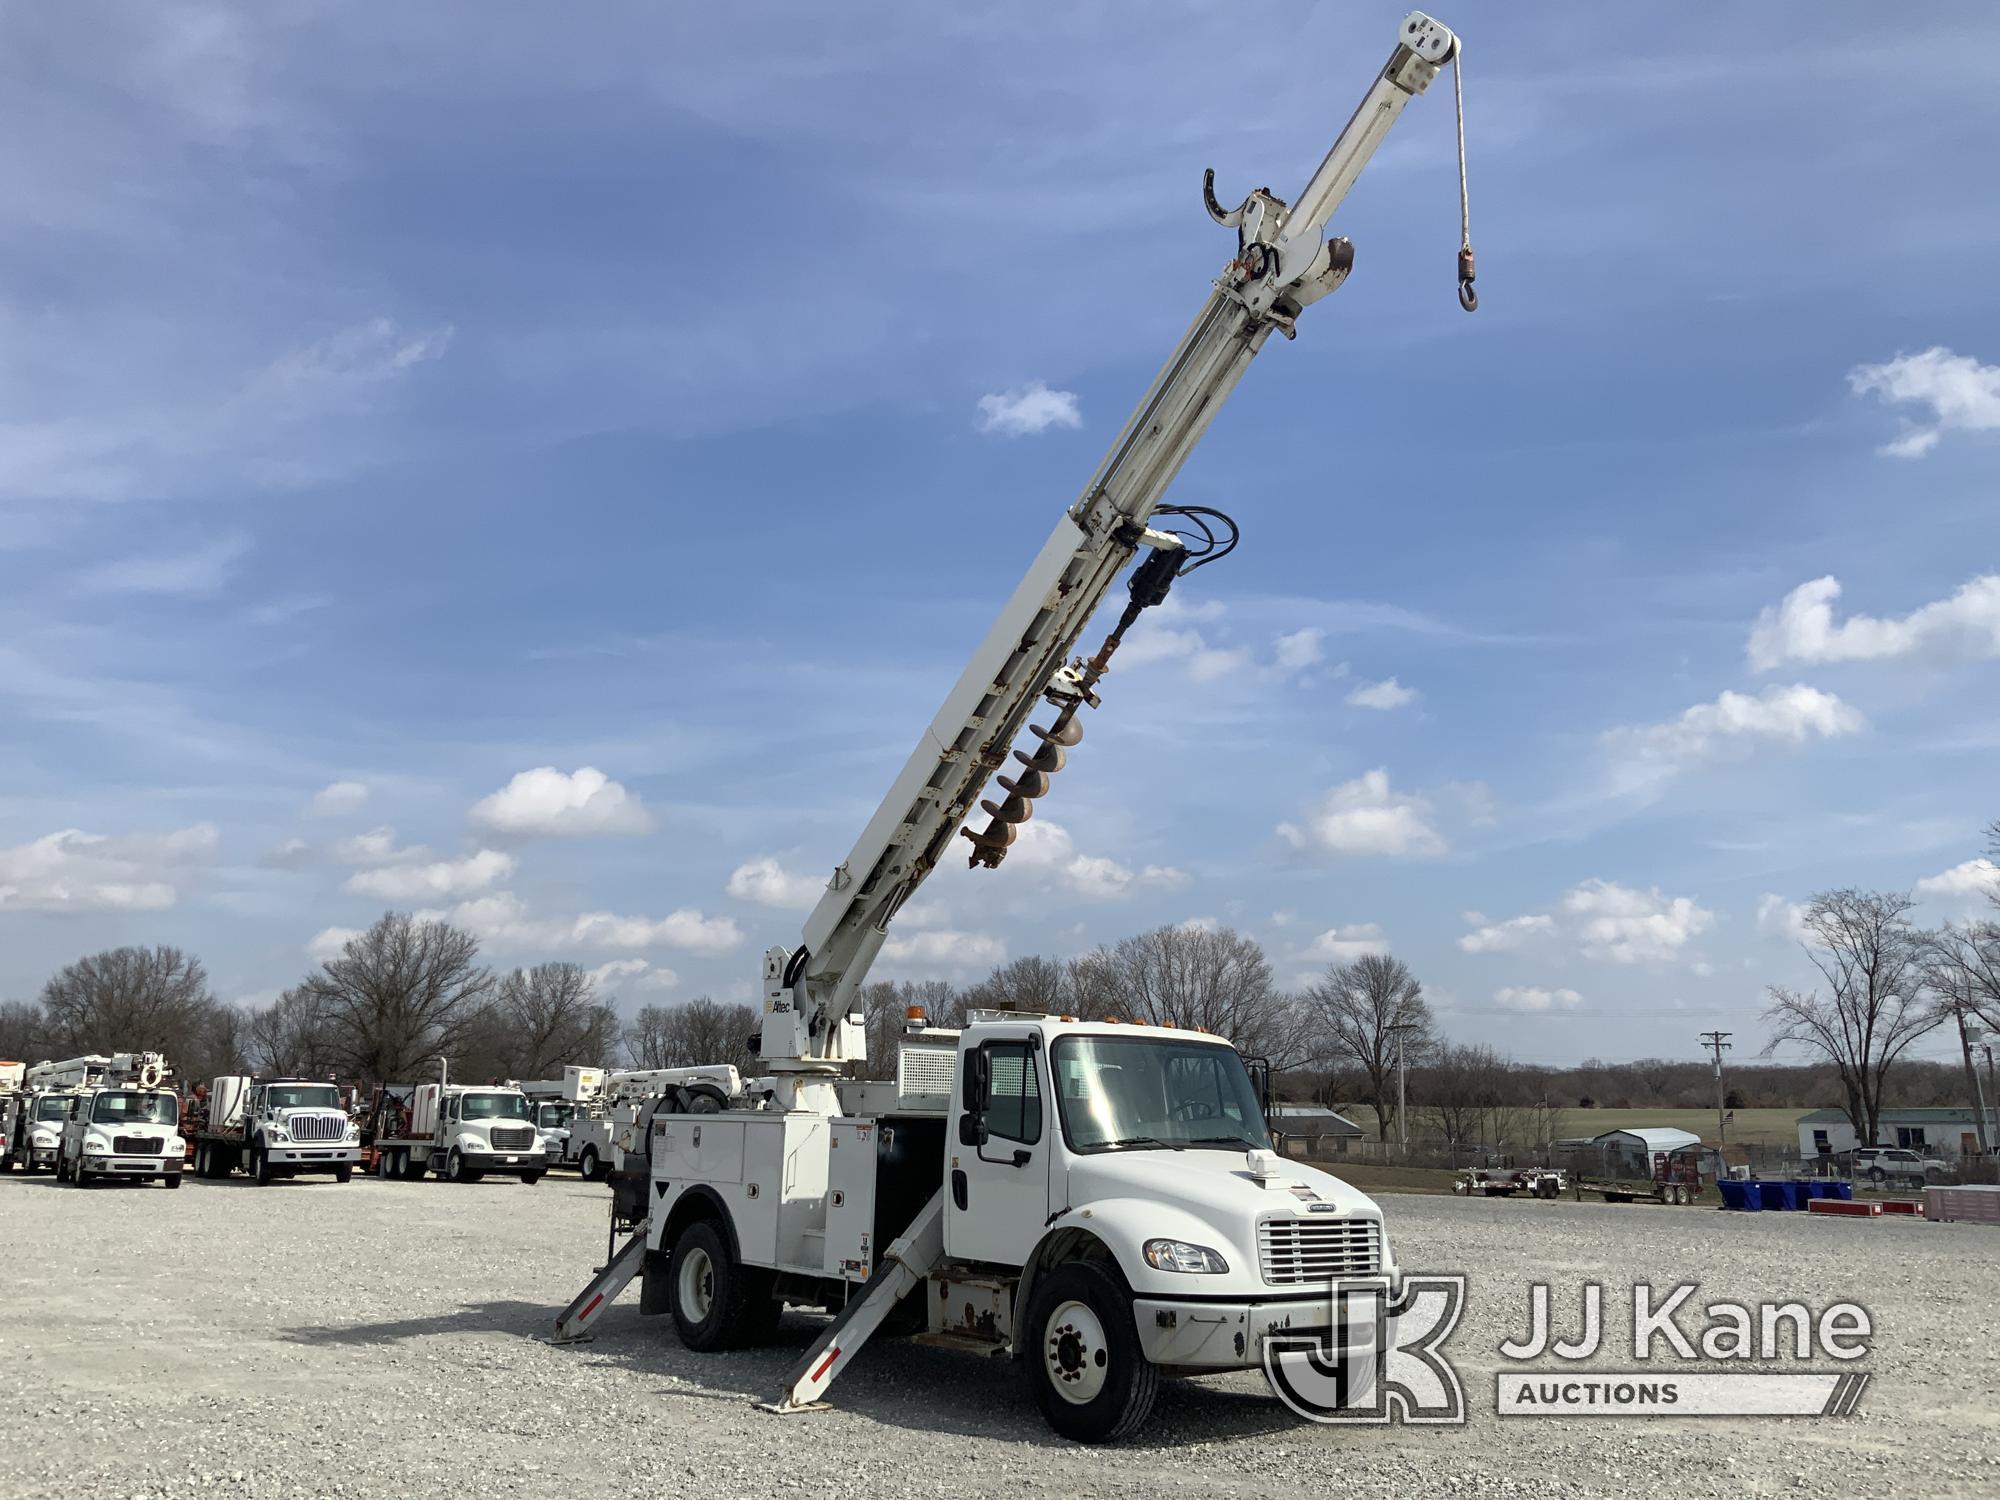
(1283, 264)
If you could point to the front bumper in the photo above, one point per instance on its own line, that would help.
(133, 1166)
(1223, 1335)
(43, 1156)
(515, 1162)
(313, 1158)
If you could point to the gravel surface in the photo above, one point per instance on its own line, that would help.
(313, 1339)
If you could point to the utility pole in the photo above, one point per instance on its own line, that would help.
(1402, 1029)
(1719, 1042)
(1967, 1035)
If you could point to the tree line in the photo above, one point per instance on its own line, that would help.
(407, 992)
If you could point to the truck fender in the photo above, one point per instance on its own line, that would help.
(699, 1202)
(1112, 1232)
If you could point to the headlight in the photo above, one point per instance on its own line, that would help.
(275, 1134)
(96, 1142)
(353, 1132)
(1179, 1255)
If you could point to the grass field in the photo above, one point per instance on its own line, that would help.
(1760, 1127)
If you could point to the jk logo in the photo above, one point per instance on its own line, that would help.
(1378, 1359)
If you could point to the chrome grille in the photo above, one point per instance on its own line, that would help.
(135, 1145)
(505, 1139)
(317, 1127)
(1317, 1249)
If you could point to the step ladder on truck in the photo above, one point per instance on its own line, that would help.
(1100, 1201)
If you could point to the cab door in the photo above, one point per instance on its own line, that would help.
(997, 1182)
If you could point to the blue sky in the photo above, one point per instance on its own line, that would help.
(395, 405)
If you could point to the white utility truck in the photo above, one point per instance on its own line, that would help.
(13, 1108)
(47, 1097)
(123, 1124)
(612, 1126)
(276, 1127)
(462, 1133)
(1098, 1200)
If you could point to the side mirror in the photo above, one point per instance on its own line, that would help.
(972, 1130)
(977, 1077)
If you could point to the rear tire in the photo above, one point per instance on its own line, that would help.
(717, 1303)
(1085, 1366)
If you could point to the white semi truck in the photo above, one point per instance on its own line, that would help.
(276, 1127)
(1099, 1201)
(123, 1124)
(460, 1132)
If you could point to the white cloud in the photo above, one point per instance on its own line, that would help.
(943, 948)
(1628, 926)
(441, 879)
(1801, 628)
(1735, 723)
(1027, 410)
(378, 847)
(1301, 649)
(1534, 998)
(1200, 924)
(193, 574)
(1366, 816)
(1507, 936)
(1048, 848)
(1974, 878)
(291, 854)
(335, 369)
(1341, 945)
(504, 920)
(338, 799)
(767, 883)
(1779, 918)
(73, 871)
(330, 942)
(1958, 393)
(1386, 694)
(546, 803)
(632, 976)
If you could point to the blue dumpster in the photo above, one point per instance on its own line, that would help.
(1782, 1195)
(1739, 1195)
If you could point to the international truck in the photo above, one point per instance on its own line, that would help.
(459, 1132)
(123, 1124)
(272, 1128)
(1096, 1200)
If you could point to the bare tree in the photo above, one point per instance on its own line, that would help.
(291, 1035)
(22, 1029)
(546, 1017)
(1218, 981)
(1863, 945)
(131, 1000)
(886, 1005)
(697, 1031)
(400, 995)
(1364, 1009)
(1033, 983)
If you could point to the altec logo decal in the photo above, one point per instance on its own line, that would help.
(1380, 1358)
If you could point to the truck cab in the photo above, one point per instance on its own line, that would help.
(274, 1128)
(1099, 1200)
(122, 1132)
(34, 1138)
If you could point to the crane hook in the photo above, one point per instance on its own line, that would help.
(1467, 297)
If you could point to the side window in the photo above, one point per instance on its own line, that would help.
(1014, 1095)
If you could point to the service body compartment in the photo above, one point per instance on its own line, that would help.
(850, 1200)
(767, 1168)
(883, 1171)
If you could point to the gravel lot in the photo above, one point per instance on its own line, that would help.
(387, 1339)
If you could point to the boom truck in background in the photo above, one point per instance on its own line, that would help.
(123, 1121)
(276, 1127)
(461, 1132)
(1098, 1200)
(612, 1111)
(13, 1104)
(47, 1097)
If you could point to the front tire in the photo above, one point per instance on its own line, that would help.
(588, 1165)
(343, 1174)
(171, 1180)
(1088, 1373)
(529, 1179)
(260, 1166)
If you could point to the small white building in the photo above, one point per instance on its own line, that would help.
(1646, 1145)
(1828, 1132)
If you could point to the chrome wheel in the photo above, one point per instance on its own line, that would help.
(695, 1288)
(1076, 1353)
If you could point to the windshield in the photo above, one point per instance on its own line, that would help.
(302, 1096)
(1120, 1092)
(120, 1107)
(494, 1107)
(555, 1116)
(53, 1107)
